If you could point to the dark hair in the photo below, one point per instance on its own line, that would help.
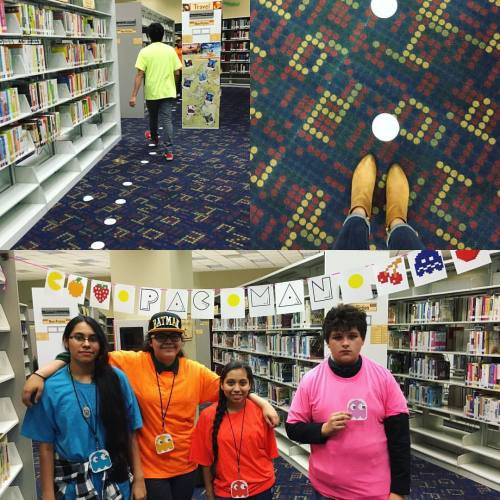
(342, 319)
(222, 404)
(156, 32)
(112, 408)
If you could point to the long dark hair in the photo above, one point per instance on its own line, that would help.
(222, 404)
(111, 403)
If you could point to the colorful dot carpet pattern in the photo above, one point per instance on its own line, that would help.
(199, 200)
(322, 70)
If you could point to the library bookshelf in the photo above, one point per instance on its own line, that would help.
(444, 349)
(20, 475)
(235, 52)
(58, 102)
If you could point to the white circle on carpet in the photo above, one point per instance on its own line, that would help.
(126, 183)
(385, 127)
(97, 245)
(384, 8)
(120, 201)
(88, 198)
(153, 145)
(160, 128)
(109, 221)
(152, 153)
(144, 161)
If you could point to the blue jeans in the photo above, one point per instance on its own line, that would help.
(160, 110)
(355, 233)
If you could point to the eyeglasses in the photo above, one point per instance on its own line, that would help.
(80, 338)
(164, 337)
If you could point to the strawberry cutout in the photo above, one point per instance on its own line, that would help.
(467, 255)
(101, 292)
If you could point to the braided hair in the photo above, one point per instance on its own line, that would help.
(222, 404)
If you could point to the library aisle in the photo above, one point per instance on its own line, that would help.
(76, 169)
(433, 320)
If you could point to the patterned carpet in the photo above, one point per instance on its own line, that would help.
(323, 70)
(200, 200)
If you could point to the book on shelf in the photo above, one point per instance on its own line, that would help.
(4, 460)
(486, 375)
(31, 54)
(430, 366)
(484, 308)
(484, 342)
(44, 128)
(457, 396)
(282, 370)
(6, 65)
(40, 94)
(3, 19)
(32, 19)
(298, 372)
(13, 143)
(428, 340)
(399, 362)
(9, 104)
(483, 407)
(279, 395)
(429, 395)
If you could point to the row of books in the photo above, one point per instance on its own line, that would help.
(44, 128)
(4, 460)
(235, 68)
(482, 407)
(304, 346)
(486, 375)
(32, 19)
(235, 34)
(279, 395)
(484, 342)
(430, 395)
(428, 340)
(40, 94)
(13, 143)
(473, 308)
(281, 371)
(82, 109)
(32, 55)
(77, 54)
(235, 56)
(231, 24)
(80, 82)
(235, 46)
(80, 25)
(260, 365)
(433, 367)
(455, 339)
(9, 104)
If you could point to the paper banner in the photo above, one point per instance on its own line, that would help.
(289, 297)
(54, 280)
(77, 287)
(466, 260)
(391, 276)
(426, 266)
(124, 298)
(261, 301)
(149, 301)
(232, 303)
(356, 285)
(323, 291)
(100, 294)
(176, 301)
(202, 304)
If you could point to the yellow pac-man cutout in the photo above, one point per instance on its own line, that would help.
(123, 296)
(52, 280)
(355, 281)
(233, 300)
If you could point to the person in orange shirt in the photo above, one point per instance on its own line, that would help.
(169, 387)
(233, 443)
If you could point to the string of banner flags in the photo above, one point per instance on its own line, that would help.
(326, 291)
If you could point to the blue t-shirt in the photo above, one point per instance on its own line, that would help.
(58, 419)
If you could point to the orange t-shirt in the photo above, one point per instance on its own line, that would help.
(194, 384)
(179, 53)
(257, 450)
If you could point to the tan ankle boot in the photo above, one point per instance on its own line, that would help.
(397, 195)
(363, 184)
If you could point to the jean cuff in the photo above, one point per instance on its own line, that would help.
(402, 224)
(359, 216)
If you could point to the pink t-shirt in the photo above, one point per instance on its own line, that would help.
(354, 462)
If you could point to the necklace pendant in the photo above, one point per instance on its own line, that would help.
(86, 412)
(239, 489)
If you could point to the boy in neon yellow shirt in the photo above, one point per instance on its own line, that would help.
(158, 65)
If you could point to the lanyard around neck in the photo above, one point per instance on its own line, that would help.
(238, 451)
(92, 430)
(164, 413)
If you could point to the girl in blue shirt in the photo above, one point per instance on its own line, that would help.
(86, 422)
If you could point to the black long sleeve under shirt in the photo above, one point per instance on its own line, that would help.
(397, 431)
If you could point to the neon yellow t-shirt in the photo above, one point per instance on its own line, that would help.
(158, 61)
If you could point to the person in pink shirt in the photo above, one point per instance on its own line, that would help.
(354, 415)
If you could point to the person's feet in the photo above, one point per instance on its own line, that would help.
(152, 142)
(169, 156)
(363, 184)
(397, 195)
